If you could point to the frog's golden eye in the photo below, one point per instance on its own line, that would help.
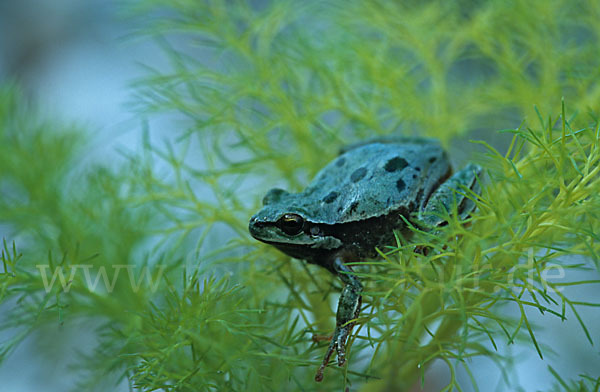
(291, 224)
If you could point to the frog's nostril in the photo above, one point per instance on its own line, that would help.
(255, 221)
(255, 228)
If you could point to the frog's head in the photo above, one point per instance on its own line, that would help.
(284, 223)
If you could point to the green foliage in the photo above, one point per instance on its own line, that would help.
(265, 93)
(585, 383)
(537, 210)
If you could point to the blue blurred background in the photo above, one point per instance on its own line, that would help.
(71, 58)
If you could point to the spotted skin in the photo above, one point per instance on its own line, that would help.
(354, 205)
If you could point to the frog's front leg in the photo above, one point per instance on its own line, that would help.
(347, 311)
(452, 192)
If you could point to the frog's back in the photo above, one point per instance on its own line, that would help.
(375, 179)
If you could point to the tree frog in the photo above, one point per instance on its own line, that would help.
(355, 203)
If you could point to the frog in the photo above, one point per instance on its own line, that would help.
(356, 204)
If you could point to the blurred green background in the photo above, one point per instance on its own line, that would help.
(145, 133)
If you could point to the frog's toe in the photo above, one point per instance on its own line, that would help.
(333, 346)
(341, 359)
(316, 338)
(422, 249)
(340, 346)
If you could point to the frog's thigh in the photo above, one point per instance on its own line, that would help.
(450, 193)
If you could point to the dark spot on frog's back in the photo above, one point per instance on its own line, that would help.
(330, 198)
(340, 162)
(400, 184)
(353, 207)
(358, 174)
(394, 164)
(432, 159)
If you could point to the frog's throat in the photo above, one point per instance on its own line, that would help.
(309, 251)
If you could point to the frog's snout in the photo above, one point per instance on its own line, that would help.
(254, 227)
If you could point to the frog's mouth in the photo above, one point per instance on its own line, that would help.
(299, 246)
(268, 234)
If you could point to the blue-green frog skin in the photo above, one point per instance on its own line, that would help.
(355, 203)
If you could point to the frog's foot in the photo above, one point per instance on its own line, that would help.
(347, 312)
(321, 338)
(456, 194)
(340, 337)
(319, 375)
(422, 249)
(337, 344)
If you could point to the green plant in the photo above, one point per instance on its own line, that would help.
(264, 94)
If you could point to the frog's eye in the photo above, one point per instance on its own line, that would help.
(291, 224)
(273, 196)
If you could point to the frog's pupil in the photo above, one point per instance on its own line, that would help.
(291, 223)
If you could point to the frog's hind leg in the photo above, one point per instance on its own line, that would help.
(452, 194)
(347, 311)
